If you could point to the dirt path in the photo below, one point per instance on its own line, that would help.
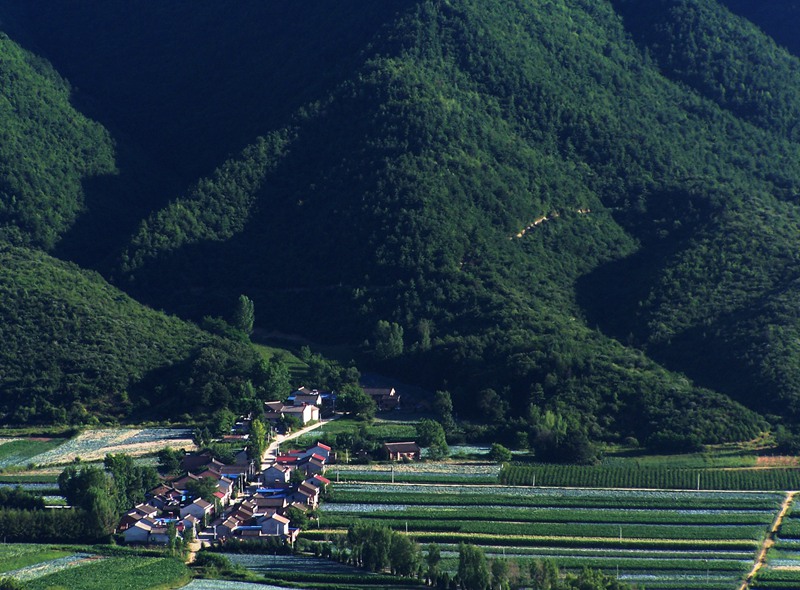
(769, 540)
(272, 449)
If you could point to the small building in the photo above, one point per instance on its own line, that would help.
(274, 411)
(401, 451)
(386, 398)
(319, 449)
(139, 532)
(276, 473)
(199, 509)
(275, 524)
(305, 413)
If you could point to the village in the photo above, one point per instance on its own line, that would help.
(211, 502)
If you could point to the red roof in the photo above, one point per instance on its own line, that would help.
(318, 457)
(324, 480)
(322, 446)
(219, 495)
(286, 459)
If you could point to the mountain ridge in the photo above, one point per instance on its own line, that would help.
(427, 155)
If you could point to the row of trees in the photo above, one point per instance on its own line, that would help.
(379, 549)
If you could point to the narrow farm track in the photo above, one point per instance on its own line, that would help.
(272, 450)
(769, 540)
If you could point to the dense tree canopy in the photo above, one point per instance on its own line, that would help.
(578, 217)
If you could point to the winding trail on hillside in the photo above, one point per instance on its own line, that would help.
(769, 540)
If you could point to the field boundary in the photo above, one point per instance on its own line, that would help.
(769, 540)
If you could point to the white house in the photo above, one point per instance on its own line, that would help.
(275, 524)
(199, 509)
(139, 532)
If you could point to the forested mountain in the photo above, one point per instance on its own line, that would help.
(583, 206)
(778, 19)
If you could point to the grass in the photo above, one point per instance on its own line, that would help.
(121, 573)
(15, 556)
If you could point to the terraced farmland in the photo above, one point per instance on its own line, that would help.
(657, 539)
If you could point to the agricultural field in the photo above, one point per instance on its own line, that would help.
(124, 573)
(18, 452)
(93, 445)
(228, 585)
(16, 556)
(315, 572)
(656, 539)
(422, 472)
(628, 475)
(782, 567)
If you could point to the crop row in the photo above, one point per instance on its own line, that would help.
(564, 529)
(452, 496)
(545, 552)
(542, 515)
(383, 476)
(773, 578)
(650, 477)
(557, 541)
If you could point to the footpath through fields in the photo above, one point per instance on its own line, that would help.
(769, 540)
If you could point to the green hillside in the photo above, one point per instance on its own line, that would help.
(72, 342)
(47, 150)
(583, 206)
(778, 19)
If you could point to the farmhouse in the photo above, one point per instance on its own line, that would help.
(199, 509)
(274, 411)
(403, 451)
(386, 398)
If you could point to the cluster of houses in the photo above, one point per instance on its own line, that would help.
(307, 405)
(247, 504)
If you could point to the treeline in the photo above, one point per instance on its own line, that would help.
(48, 526)
(380, 549)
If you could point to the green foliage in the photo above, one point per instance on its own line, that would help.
(20, 499)
(257, 443)
(169, 460)
(556, 206)
(202, 488)
(47, 150)
(377, 548)
(74, 345)
(473, 570)
(353, 400)
(244, 314)
(431, 434)
(388, 340)
(499, 453)
(131, 481)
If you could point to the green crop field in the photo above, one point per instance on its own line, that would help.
(121, 573)
(655, 539)
(18, 452)
(15, 556)
(651, 477)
